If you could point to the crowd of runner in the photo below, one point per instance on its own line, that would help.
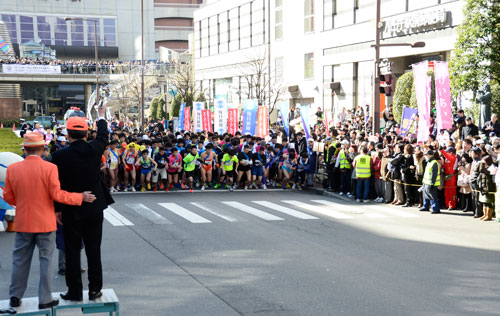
(385, 168)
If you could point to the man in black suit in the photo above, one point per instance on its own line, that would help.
(79, 167)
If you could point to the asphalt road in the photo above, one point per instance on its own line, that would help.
(288, 253)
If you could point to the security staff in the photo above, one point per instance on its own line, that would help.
(79, 170)
(431, 182)
(363, 167)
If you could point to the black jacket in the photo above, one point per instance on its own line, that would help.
(79, 170)
(469, 130)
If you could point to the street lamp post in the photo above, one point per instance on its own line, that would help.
(142, 63)
(375, 113)
(97, 96)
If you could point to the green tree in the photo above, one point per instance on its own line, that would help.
(154, 107)
(176, 104)
(161, 107)
(403, 95)
(476, 59)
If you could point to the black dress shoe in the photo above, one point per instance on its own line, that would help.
(15, 302)
(94, 295)
(69, 297)
(48, 305)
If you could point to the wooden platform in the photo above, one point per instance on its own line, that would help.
(29, 306)
(107, 303)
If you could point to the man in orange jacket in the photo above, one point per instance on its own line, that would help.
(32, 186)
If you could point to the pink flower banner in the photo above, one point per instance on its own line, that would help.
(423, 90)
(443, 97)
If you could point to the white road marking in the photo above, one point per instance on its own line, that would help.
(186, 214)
(149, 214)
(115, 218)
(318, 209)
(204, 207)
(390, 210)
(253, 211)
(351, 208)
(285, 210)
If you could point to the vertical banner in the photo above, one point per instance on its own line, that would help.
(197, 123)
(181, 117)
(220, 116)
(232, 121)
(284, 109)
(262, 121)
(443, 97)
(409, 116)
(327, 122)
(206, 121)
(423, 90)
(304, 116)
(249, 116)
(187, 119)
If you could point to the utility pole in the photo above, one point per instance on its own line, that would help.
(142, 64)
(376, 80)
(269, 58)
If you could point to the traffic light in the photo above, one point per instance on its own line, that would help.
(387, 84)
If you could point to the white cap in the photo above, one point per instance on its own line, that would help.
(345, 142)
(479, 141)
(145, 137)
(310, 140)
(267, 139)
(64, 132)
(179, 136)
(61, 139)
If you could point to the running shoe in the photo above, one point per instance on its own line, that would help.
(143, 189)
(203, 188)
(133, 189)
(264, 187)
(154, 189)
(191, 190)
(216, 186)
(167, 189)
(294, 186)
(149, 186)
(161, 186)
(230, 189)
(246, 187)
(183, 185)
(227, 186)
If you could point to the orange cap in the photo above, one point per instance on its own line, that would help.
(76, 123)
(33, 139)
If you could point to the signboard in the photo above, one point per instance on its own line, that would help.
(30, 69)
(416, 22)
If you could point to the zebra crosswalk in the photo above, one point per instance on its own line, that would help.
(131, 214)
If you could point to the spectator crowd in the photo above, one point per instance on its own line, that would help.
(454, 169)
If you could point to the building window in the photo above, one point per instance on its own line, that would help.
(278, 23)
(109, 31)
(91, 33)
(61, 32)
(77, 38)
(43, 26)
(27, 31)
(309, 66)
(329, 13)
(278, 72)
(308, 16)
(356, 10)
(10, 22)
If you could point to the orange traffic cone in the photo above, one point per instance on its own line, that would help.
(14, 127)
(10, 227)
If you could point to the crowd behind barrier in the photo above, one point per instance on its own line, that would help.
(454, 169)
(85, 66)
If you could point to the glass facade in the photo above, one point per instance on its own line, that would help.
(27, 30)
(10, 22)
(52, 30)
(43, 30)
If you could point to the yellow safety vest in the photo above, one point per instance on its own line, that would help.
(344, 163)
(363, 169)
(428, 174)
(328, 151)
